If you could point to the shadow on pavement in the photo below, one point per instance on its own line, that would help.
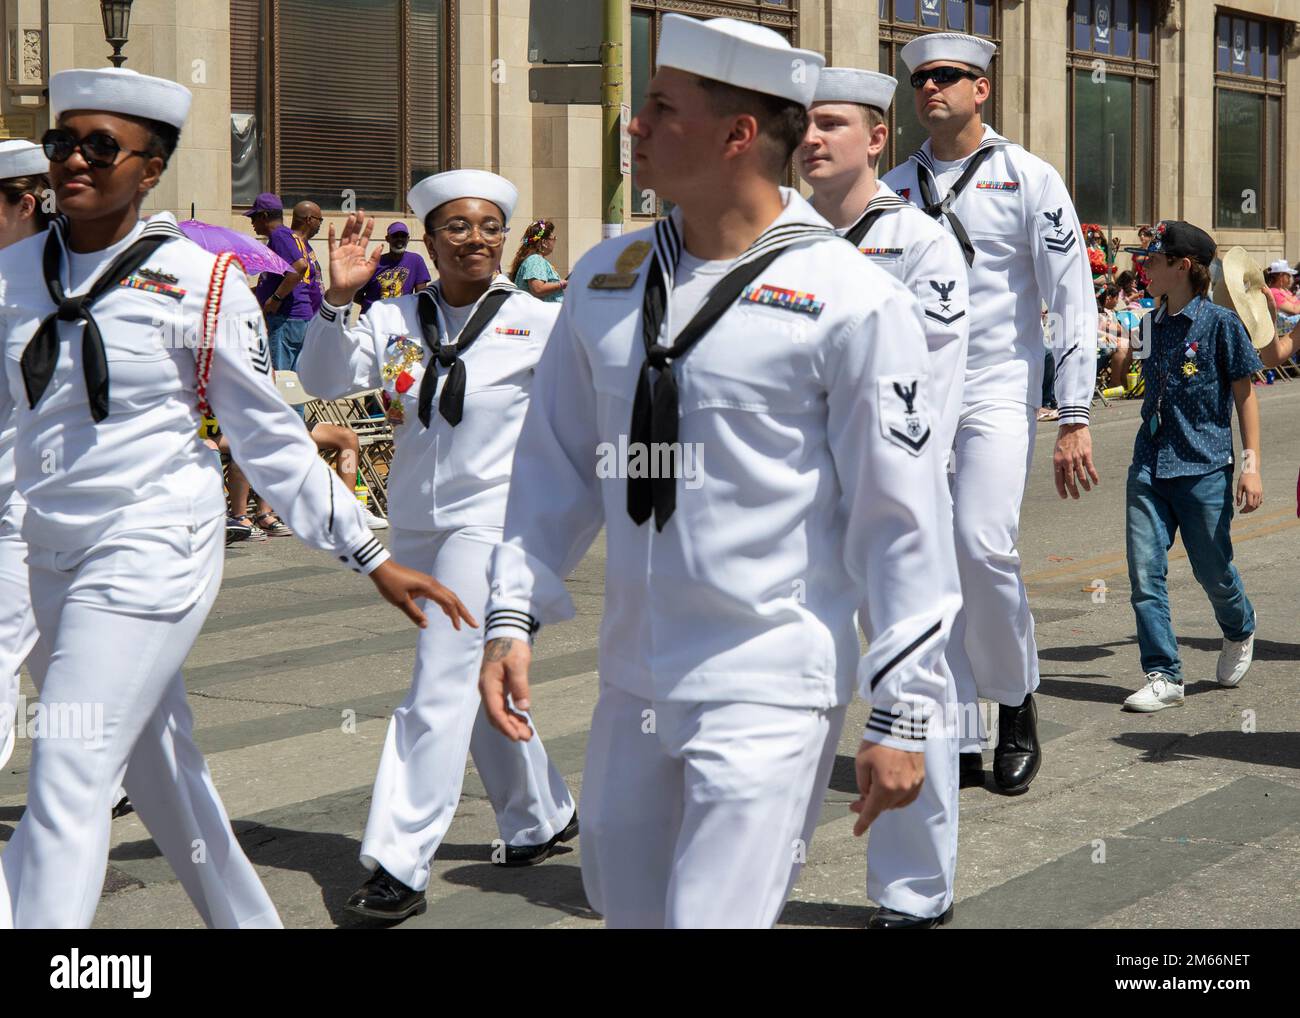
(552, 885)
(1273, 749)
(1066, 687)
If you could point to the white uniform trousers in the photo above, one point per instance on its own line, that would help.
(912, 852)
(117, 620)
(992, 652)
(17, 622)
(697, 814)
(422, 767)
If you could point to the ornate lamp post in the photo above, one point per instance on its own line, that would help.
(117, 20)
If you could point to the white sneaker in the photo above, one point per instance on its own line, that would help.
(374, 522)
(1159, 692)
(1234, 661)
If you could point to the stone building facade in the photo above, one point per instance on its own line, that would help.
(1150, 108)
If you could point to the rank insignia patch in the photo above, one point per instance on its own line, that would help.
(997, 185)
(905, 193)
(945, 313)
(1058, 239)
(904, 415)
(787, 300)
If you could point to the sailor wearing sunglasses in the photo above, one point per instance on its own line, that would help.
(125, 506)
(1017, 227)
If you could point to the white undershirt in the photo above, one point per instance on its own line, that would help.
(946, 173)
(454, 318)
(692, 282)
(80, 269)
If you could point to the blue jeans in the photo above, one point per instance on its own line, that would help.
(285, 336)
(1201, 507)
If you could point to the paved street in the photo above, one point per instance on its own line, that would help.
(1171, 820)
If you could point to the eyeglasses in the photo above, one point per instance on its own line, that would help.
(100, 150)
(459, 232)
(943, 76)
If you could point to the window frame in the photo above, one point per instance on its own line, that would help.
(268, 112)
(1269, 89)
(782, 18)
(894, 35)
(1133, 68)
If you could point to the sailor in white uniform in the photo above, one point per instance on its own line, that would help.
(115, 332)
(23, 183)
(717, 393)
(455, 363)
(1017, 227)
(912, 852)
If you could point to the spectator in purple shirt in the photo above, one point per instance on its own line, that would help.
(400, 271)
(288, 300)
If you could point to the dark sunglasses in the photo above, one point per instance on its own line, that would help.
(100, 150)
(942, 76)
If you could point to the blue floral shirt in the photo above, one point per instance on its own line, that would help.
(1194, 358)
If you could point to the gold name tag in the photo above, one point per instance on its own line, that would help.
(613, 281)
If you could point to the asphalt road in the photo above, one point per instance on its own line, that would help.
(1185, 818)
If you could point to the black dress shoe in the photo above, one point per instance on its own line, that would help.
(383, 896)
(888, 919)
(1018, 756)
(123, 808)
(971, 773)
(531, 855)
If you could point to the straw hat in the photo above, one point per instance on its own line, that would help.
(1241, 289)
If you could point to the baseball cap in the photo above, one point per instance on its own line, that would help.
(398, 228)
(265, 202)
(1178, 239)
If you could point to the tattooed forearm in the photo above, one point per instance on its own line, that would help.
(498, 649)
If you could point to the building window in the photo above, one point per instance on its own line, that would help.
(1113, 75)
(336, 132)
(647, 20)
(901, 21)
(1248, 96)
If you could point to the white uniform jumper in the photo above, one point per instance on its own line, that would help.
(805, 492)
(124, 531)
(17, 623)
(447, 503)
(1014, 218)
(912, 852)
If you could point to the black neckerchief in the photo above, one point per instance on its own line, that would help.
(942, 208)
(878, 207)
(41, 355)
(654, 410)
(451, 405)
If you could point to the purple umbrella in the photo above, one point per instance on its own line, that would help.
(253, 254)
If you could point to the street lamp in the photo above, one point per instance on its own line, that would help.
(117, 20)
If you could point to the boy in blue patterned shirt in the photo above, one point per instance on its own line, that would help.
(1199, 362)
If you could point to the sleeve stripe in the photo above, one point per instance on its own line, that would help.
(367, 551)
(875, 679)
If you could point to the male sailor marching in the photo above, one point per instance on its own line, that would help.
(1012, 216)
(743, 328)
(912, 852)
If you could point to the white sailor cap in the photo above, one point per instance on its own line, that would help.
(119, 90)
(850, 85)
(441, 188)
(22, 159)
(954, 47)
(740, 53)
